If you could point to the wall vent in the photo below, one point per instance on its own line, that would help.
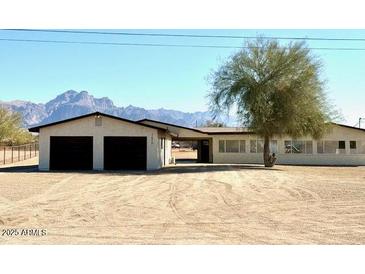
(98, 121)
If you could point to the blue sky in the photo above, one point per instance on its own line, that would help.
(158, 77)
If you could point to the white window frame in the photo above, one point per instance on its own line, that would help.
(305, 146)
(255, 148)
(338, 151)
(271, 146)
(244, 146)
(354, 150)
(225, 146)
(238, 146)
(219, 146)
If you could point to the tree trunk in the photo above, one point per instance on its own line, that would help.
(269, 160)
(266, 151)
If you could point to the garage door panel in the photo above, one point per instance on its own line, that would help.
(71, 153)
(125, 153)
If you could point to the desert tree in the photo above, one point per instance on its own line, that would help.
(11, 132)
(212, 123)
(276, 91)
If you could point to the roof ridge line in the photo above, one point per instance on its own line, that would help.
(36, 128)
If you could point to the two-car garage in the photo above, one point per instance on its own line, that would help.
(76, 153)
(99, 141)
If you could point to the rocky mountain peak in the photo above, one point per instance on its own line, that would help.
(72, 103)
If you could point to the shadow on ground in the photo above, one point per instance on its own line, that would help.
(210, 168)
(18, 168)
(178, 169)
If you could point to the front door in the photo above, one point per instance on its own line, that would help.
(204, 156)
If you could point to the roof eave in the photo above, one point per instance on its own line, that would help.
(33, 129)
(37, 128)
(346, 126)
(230, 133)
(172, 125)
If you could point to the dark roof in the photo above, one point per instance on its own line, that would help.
(226, 130)
(242, 130)
(341, 125)
(209, 131)
(172, 125)
(206, 130)
(36, 128)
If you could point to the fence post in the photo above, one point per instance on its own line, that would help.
(13, 158)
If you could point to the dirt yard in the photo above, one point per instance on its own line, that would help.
(18, 154)
(184, 154)
(186, 204)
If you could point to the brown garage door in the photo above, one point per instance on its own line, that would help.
(71, 153)
(125, 153)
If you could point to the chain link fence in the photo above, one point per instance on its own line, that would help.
(12, 154)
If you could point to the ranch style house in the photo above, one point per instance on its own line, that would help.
(99, 141)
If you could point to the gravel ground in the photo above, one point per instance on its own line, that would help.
(185, 204)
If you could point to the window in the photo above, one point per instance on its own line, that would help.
(309, 147)
(341, 144)
(353, 149)
(253, 146)
(242, 146)
(232, 146)
(287, 145)
(260, 146)
(341, 147)
(331, 147)
(298, 147)
(162, 140)
(274, 146)
(352, 144)
(320, 148)
(257, 146)
(221, 146)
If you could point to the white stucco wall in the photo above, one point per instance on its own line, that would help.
(337, 133)
(110, 127)
(165, 148)
(168, 153)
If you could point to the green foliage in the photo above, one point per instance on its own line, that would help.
(211, 123)
(276, 90)
(11, 132)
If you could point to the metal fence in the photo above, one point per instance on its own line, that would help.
(12, 154)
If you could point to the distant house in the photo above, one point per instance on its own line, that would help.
(104, 142)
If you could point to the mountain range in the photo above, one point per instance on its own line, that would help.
(72, 103)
